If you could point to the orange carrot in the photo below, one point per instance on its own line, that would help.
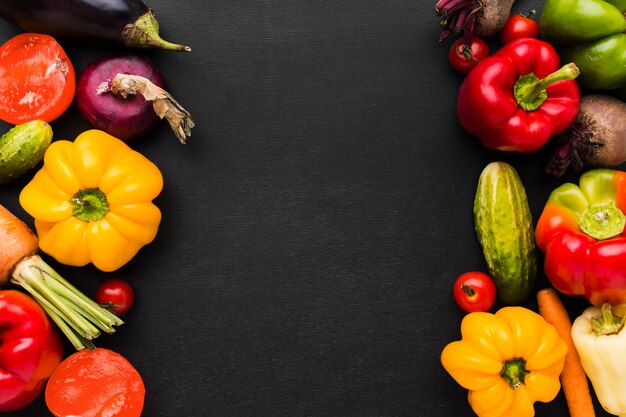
(573, 377)
(17, 241)
(77, 316)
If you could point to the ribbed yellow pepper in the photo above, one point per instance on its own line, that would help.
(600, 340)
(92, 201)
(507, 361)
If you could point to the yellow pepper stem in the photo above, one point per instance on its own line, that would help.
(514, 372)
(89, 205)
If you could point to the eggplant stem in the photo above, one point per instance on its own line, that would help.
(144, 33)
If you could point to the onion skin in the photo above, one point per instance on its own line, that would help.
(125, 118)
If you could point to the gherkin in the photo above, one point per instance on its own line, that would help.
(22, 148)
(504, 227)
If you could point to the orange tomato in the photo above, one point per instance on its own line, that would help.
(37, 79)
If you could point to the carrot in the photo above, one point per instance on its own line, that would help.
(76, 315)
(17, 241)
(573, 377)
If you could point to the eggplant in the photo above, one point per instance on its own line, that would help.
(130, 23)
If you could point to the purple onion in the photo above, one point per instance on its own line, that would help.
(126, 118)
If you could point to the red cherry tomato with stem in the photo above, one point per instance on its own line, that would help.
(519, 26)
(115, 295)
(474, 291)
(37, 79)
(464, 56)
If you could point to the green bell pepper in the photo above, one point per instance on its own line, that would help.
(589, 33)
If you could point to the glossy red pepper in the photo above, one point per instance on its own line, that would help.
(30, 349)
(581, 232)
(519, 97)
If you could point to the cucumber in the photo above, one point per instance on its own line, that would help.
(505, 231)
(22, 148)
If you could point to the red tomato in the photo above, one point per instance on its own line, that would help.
(519, 26)
(116, 295)
(37, 79)
(474, 291)
(95, 383)
(464, 57)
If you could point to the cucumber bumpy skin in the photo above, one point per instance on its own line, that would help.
(505, 231)
(22, 148)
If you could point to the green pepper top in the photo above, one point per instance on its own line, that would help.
(589, 33)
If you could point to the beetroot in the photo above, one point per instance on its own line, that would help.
(596, 138)
(124, 95)
(482, 18)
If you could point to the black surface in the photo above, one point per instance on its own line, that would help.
(316, 220)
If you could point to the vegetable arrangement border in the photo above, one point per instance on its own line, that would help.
(91, 198)
(520, 99)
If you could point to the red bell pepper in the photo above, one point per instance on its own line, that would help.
(518, 98)
(581, 232)
(30, 349)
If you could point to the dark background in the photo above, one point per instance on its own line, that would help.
(316, 220)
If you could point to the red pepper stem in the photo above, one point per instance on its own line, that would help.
(77, 316)
(602, 220)
(530, 91)
(566, 72)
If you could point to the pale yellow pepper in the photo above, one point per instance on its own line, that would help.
(92, 201)
(600, 340)
(507, 361)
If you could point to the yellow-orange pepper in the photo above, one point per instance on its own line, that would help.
(507, 361)
(92, 201)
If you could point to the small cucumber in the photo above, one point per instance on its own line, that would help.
(23, 147)
(505, 231)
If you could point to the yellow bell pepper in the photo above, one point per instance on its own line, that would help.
(600, 340)
(507, 361)
(92, 201)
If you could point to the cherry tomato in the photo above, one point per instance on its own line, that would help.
(37, 79)
(463, 57)
(116, 295)
(474, 291)
(519, 26)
